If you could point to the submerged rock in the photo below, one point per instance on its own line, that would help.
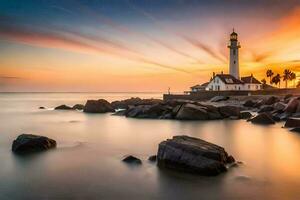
(193, 155)
(292, 122)
(42, 107)
(262, 118)
(132, 160)
(98, 106)
(63, 107)
(27, 143)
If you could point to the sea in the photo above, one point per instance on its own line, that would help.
(87, 161)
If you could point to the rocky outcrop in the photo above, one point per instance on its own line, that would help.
(245, 115)
(152, 158)
(271, 100)
(279, 106)
(266, 108)
(27, 143)
(249, 103)
(78, 107)
(188, 154)
(98, 106)
(192, 112)
(132, 160)
(292, 123)
(63, 107)
(262, 118)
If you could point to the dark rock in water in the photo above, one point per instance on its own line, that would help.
(152, 158)
(228, 111)
(78, 107)
(271, 100)
(125, 104)
(155, 111)
(262, 118)
(266, 108)
(288, 96)
(292, 105)
(42, 107)
(192, 112)
(98, 106)
(245, 115)
(292, 122)
(63, 107)
(296, 129)
(259, 103)
(188, 154)
(132, 160)
(219, 98)
(249, 103)
(27, 143)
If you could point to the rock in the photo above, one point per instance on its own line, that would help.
(249, 103)
(78, 107)
(292, 106)
(124, 104)
(63, 107)
(292, 122)
(228, 111)
(27, 143)
(155, 111)
(296, 130)
(245, 115)
(265, 108)
(152, 158)
(288, 96)
(132, 160)
(262, 118)
(98, 106)
(271, 100)
(279, 106)
(192, 112)
(193, 155)
(42, 107)
(219, 98)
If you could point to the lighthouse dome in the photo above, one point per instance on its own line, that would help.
(233, 36)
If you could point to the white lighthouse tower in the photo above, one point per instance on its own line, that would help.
(234, 46)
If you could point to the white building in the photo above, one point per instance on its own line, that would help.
(231, 81)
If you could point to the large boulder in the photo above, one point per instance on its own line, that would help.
(249, 103)
(245, 115)
(192, 112)
(98, 106)
(27, 143)
(292, 122)
(149, 111)
(271, 100)
(266, 108)
(134, 101)
(63, 107)
(229, 111)
(279, 106)
(292, 105)
(262, 118)
(193, 155)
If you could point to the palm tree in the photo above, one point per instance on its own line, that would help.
(263, 81)
(276, 80)
(293, 77)
(286, 76)
(270, 73)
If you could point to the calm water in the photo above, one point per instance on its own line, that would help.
(86, 164)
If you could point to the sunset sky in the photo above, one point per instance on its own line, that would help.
(141, 45)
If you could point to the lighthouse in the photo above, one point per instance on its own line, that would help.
(234, 46)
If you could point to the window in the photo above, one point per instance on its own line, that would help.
(239, 88)
(248, 86)
(234, 62)
(257, 87)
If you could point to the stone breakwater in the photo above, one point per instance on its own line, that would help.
(258, 111)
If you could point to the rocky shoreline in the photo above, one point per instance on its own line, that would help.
(263, 110)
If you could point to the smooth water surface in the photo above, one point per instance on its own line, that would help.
(87, 163)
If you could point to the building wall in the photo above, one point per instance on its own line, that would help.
(217, 85)
(252, 87)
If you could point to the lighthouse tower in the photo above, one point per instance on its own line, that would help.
(234, 46)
